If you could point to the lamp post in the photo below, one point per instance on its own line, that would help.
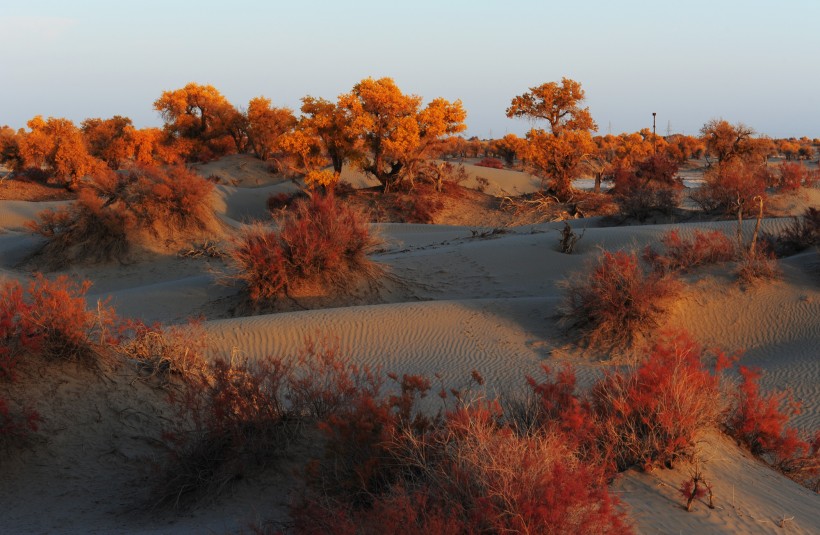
(654, 137)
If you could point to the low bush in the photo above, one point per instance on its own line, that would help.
(45, 319)
(231, 415)
(165, 353)
(649, 414)
(650, 187)
(465, 472)
(726, 184)
(50, 318)
(280, 201)
(761, 423)
(793, 176)
(680, 254)
(757, 265)
(320, 241)
(493, 163)
(803, 232)
(116, 211)
(617, 301)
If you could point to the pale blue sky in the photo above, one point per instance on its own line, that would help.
(744, 60)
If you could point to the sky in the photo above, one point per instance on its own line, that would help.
(750, 61)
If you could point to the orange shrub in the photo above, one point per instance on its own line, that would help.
(118, 211)
(617, 302)
(320, 241)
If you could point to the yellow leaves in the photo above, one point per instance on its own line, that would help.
(59, 145)
(324, 178)
(266, 125)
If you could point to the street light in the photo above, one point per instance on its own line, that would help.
(654, 137)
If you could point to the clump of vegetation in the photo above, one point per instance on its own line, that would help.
(389, 467)
(493, 163)
(680, 254)
(646, 415)
(761, 423)
(794, 175)
(165, 353)
(46, 319)
(731, 183)
(651, 186)
(231, 416)
(617, 302)
(757, 265)
(320, 241)
(801, 233)
(115, 212)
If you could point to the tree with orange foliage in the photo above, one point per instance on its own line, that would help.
(726, 141)
(110, 140)
(155, 146)
(556, 154)
(507, 147)
(395, 131)
(266, 124)
(202, 114)
(57, 145)
(10, 148)
(328, 122)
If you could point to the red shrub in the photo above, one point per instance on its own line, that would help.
(231, 415)
(617, 301)
(470, 474)
(651, 415)
(17, 332)
(650, 187)
(50, 318)
(793, 176)
(759, 421)
(725, 183)
(321, 241)
(648, 415)
(493, 163)
(47, 318)
(682, 255)
(279, 201)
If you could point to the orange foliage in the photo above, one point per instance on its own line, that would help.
(556, 155)
(57, 145)
(111, 140)
(396, 132)
(266, 125)
(202, 114)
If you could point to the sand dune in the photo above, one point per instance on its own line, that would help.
(455, 300)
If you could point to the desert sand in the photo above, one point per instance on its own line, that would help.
(454, 301)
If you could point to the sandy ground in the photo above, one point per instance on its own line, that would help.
(453, 302)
